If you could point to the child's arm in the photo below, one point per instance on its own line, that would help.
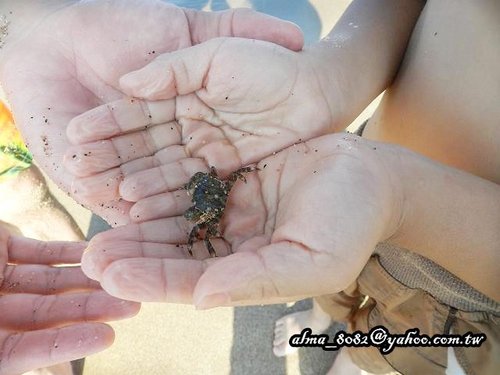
(364, 51)
(450, 217)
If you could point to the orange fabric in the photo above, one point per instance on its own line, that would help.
(14, 155)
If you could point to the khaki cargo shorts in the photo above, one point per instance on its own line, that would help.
(379, 299)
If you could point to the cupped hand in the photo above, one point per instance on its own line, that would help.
(304, 224)
(49, 310)
(229, 101)
(70, 61)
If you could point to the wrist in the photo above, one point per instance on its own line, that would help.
(320, 60)
(386, 156)
(345, 90)
(363, 52)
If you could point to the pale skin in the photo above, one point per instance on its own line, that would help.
(423, 227)
(28, 204)
(50, 315)
(410, 198)
(420, 101)
(56, 64)
(86, 59)
(264, 225)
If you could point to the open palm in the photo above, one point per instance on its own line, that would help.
(229, 101)
(291, 231)
(73, 59)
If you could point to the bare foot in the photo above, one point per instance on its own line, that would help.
(294, 323)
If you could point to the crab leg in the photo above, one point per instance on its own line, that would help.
(192, 236)
(233, 177)
(211, 232)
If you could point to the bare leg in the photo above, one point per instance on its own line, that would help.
(294, 323)
(27, 204)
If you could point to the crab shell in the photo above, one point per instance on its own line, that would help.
(209, 195)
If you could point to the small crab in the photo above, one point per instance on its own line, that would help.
(209, 194)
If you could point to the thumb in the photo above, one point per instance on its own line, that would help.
(171, 74)
(276, 273)
(244, 23)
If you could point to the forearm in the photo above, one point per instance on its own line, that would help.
(450, 217)
(363, 52)
(21, 15)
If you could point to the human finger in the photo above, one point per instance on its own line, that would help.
(178, 73)
(118, 117)
(153, 280)
(162, 205)
(100, 190)
(172, 230)
(275, 273)
(104, 186)
(24, 351)
(132, 114)
(237, 279)
(163, 238)
(244, 23)
(160, 179)
(4, 250)
(95, 157)
(166, 155)
(40, 279)
(166, 230)
(102, 254)
(116, 190)
(24, 250)
(29, 312)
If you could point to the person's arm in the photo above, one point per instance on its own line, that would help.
(363, 53)
(450, 217)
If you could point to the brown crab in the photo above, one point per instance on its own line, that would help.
(209, 194)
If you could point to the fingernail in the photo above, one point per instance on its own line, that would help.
(213, 300)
